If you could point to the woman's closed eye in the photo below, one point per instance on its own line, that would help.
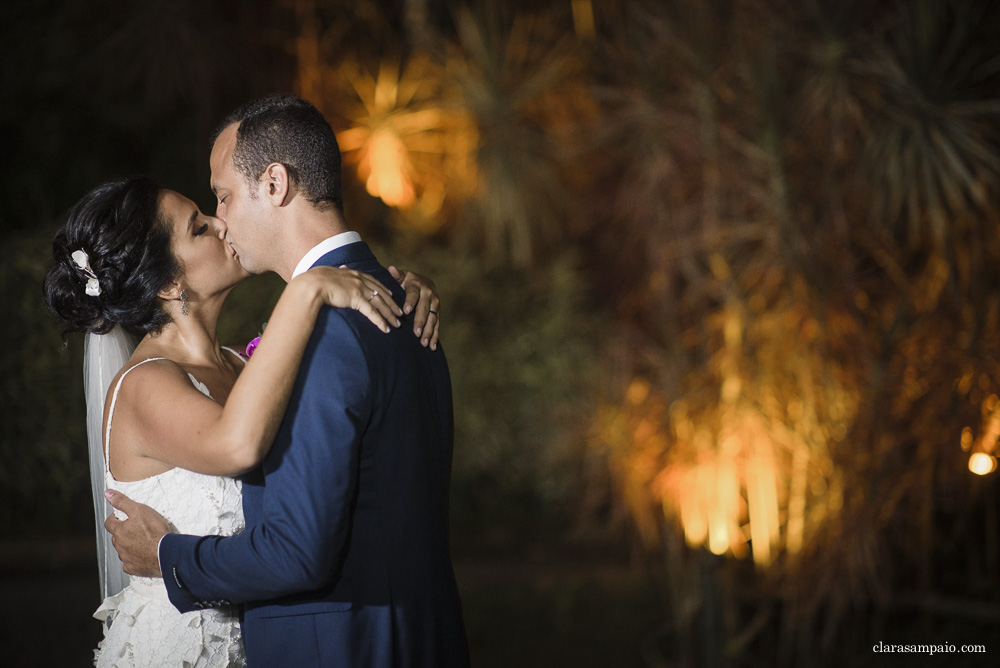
(201, 230)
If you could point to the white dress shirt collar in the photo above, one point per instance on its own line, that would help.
(322, 248)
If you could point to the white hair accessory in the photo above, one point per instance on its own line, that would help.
(83, 261)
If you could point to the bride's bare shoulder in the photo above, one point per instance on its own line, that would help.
(146, 378)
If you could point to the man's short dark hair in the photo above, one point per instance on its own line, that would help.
(291, 131)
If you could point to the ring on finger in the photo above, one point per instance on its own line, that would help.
(374, 295)
(433, 311)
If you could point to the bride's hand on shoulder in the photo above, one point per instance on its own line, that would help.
(423, 300)
(341, 287)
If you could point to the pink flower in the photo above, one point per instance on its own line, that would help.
(252, 346)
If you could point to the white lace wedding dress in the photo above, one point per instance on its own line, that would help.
(146, 629)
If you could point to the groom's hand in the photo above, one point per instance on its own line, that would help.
(136, 538)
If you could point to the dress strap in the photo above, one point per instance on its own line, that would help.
(236, 353)
(111, 412)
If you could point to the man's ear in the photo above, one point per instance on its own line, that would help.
(277, 187)
(171, 292)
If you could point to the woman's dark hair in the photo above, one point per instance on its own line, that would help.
(127, 240)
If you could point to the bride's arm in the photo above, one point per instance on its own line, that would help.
(187, 429)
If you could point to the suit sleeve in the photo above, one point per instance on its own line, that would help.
(311, 481)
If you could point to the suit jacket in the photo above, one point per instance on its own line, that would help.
(345, 557)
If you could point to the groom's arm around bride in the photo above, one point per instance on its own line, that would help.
(348, 523)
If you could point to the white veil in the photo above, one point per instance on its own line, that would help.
(103, 356)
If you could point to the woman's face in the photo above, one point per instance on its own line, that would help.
(208, 263)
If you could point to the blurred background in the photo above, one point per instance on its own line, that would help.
(719, 293)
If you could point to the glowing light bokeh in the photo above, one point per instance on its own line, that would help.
(981, 463)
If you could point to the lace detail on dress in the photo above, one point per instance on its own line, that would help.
(145, 628)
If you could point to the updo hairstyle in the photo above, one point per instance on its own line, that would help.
(120, 227)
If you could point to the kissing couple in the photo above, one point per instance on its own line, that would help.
(286, 509)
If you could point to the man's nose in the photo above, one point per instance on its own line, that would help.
(220, 228)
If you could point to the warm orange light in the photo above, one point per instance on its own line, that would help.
(388, 166)
(981, 463)
(762, 499)
(740, 481)
(967, 439)
(706, 496)
(638, 391)
(404, 143)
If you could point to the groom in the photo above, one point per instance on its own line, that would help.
(345, 557)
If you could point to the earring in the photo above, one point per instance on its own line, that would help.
(185, 305)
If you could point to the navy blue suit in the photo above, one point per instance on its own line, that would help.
(345, 557)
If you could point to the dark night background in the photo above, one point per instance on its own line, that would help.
(719, 291)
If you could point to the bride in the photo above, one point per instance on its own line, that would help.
(188, 415)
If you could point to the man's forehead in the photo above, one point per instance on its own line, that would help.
(227, 138)
(224, 145)
(221, 155)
